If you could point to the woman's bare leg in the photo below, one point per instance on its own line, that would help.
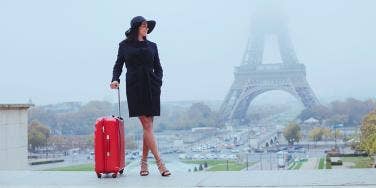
(145, 149)
(149, 139)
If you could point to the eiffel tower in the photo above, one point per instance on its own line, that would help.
(253, 78)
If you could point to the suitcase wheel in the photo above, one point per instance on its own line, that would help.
(99, 175)
(114, 175)
(121, 171)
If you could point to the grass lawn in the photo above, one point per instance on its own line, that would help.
(322, 163)
(231, 167)
(219, 165)
(360, 162)
(296, 165)
(82, 167)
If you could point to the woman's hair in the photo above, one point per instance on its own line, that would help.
(132, 35)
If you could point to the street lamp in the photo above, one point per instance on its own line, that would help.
(292, 140)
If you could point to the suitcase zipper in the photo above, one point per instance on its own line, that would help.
(104, 157)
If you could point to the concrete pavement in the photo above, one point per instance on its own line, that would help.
(311, 164)
(281, 178)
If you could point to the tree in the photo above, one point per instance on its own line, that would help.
(316, 134)
(326, 133)
(351, 111)
(292, 133)
(90, 140)
(348, 113)
(200, 167)
(336, 134)
(368, 133)
(198, 115)
(62, 119)
(337, 119)
(319, 112)
(38, 134)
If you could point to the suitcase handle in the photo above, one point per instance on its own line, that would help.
(119, 102)
(119, 115)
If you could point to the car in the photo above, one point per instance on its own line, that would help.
(297, 147)
(215, 150)
(182, 156)
(272, 150)
(231, 156)
(196, 156)
(222, 156)
(257, 150)
(195, 149)
(90, 156)
(283, 148)
(209, 156)
(302, 150)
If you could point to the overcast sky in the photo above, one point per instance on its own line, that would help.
(56, 51)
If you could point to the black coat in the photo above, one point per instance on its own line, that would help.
(143, 77)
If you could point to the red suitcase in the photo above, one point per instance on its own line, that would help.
(109, 145)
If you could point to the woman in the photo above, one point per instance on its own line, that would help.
(143, 84)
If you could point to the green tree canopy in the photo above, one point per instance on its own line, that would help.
(368, 133)
(292, 132)
(37, 134)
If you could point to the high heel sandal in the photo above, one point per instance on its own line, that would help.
(144, 168)
(162, 168)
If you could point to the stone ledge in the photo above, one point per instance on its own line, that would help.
(282, 178)
(15, 106)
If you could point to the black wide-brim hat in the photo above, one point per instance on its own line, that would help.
(136, 22)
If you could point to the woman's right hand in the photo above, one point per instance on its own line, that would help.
(114, 85)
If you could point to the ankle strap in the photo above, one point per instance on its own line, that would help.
(159, 162)
(143, 161)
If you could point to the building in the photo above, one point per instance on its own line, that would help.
(311, 122)
(13, 136)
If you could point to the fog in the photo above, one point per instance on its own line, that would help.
(57, 51)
